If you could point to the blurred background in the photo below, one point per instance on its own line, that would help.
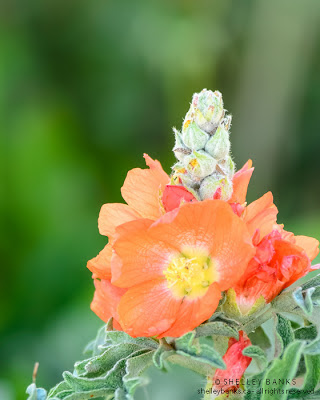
(86, 87)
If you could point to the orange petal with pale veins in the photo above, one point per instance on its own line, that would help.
(148, 309)
(193, 312)
(100, 265)
(106, 299)
(142, 189)
(309, 244)
(261, 214)
(112, 215)
(241, 181)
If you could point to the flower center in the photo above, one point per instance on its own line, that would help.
(190, 274)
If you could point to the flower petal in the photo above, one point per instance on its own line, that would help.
(193, 312)
(138, 256)
(142, 187)
(309, 244)
(174, 195)
(106, 299)
(236, 363)
(241, 181)
(100, 265)
(114, 214)
(261, 214)
(148, 309)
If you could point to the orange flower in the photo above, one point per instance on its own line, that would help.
(236, 363)
(175, 268)
(141, 190)
(277, 264)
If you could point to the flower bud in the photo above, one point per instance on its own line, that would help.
(180, 150)
(208, 109)
(218, 146)
(226, 166)
(194, 137)
(199, 164)
(216, 186)
(180, 176)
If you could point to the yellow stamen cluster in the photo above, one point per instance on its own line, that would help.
(190, 276)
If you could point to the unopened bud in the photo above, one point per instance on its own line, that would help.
(216, 186)
(199, 164)
(226, 166)
(208, 109)
(180, 150)
(194, 137)
(180, 176)
(218, 146)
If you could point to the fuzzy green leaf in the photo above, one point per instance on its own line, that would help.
(58, 389)
(118, 337)
(187, 346)
(282, 370)
(311, 378)
(257, 354)
(313, 348)
(216, 328)
(103, 363)
(306, 333)
(252, 387)
(135, 368)
(284, 330)
(304, 299)
(161, 354)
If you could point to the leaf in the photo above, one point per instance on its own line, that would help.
(284, 330)
(306, 333)
(120, 394)
(216, 328)
(101, 364)
(93, 348)
(313, 348)
(100, 394)
(188, 347)
(252, 387)
(208, 356)
(59, 388)
(161, 354)
(258, 354)
(311, 378)
(282, 370)
(135, 367)
(313, 282)
(119, 337)
(303, 299)
(186, 343)
(192, 363)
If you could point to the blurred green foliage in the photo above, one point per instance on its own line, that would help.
(85, 88)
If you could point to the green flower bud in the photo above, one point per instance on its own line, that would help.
(226, 166)
(180, 150)
(208, 109)
(194, 137)
(218, 146)
(199, 164)
(180, 176)
(216, 185)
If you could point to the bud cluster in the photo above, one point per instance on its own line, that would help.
(202, 148)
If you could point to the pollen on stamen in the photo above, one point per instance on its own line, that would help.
(189, 276)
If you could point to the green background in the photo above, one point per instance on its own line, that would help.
(86, 87)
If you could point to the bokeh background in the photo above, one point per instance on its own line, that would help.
(86, 87)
